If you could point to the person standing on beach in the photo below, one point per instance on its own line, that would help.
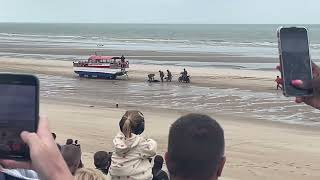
(169, 75)
(279, 82)
(158, 173)
(161, 75)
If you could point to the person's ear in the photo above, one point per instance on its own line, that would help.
(221, 165)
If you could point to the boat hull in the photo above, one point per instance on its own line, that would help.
(105, 73)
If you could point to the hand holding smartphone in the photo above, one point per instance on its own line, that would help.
(294, 59)
(19, 111)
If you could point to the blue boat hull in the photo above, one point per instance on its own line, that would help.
(96, 74)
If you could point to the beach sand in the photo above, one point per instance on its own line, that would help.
(255, 149)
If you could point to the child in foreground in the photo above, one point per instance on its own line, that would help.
(130, 158)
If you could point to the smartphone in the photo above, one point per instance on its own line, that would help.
(295, 60)
(19, 111)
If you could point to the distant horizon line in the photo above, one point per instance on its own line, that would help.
(3, 22)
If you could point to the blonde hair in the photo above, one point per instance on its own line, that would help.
(129, 121)
(89, 174)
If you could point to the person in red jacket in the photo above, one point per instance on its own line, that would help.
(279, 82)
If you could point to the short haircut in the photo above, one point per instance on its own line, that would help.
(195, 147)
(72, 155)
(101, 159)
(158, 162)
(88, 174)
(69, 141)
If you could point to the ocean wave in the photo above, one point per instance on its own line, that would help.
(39, 35)
(149, 40)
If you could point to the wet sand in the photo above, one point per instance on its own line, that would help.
(255, 148)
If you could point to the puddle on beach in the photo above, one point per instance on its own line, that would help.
(259, 105)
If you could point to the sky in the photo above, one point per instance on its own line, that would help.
(162, 11)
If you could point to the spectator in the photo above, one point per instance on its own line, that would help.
(76, 144)
(130, 158)
(72, 156)
(102, 161)
(195, 148)
(88, 174)
(157, 172)
(69, 141)
(18, 174)
(54, 136)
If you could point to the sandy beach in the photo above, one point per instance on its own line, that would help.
(255, 148)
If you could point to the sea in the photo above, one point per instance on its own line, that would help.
(234, 40)
(239, 40)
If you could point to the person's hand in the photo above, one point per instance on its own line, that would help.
(314, 100)
(46, 158)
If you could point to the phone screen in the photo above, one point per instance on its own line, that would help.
(295, 59)
(18, 112)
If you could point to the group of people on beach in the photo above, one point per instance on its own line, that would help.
(168, 78)
(108, 162)
(184, 76)
(195, 151)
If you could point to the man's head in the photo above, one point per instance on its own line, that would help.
(72, 156)
(101, 160)
(195, 148)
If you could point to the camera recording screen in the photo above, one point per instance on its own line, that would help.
(295, 59)
(17, 114)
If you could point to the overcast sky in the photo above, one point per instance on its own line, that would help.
(162, 11)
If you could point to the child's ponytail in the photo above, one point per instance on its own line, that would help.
(126, 129)
(132, 122)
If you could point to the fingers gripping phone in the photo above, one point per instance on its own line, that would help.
(19, 111)
(294, 59)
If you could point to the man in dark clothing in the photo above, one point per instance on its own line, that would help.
(157, 172)
(169, 75)
(161, 75)
(102, 161)
(185, 73)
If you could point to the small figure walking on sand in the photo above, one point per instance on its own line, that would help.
(279, 82)
(161, 75)
(169, 76)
